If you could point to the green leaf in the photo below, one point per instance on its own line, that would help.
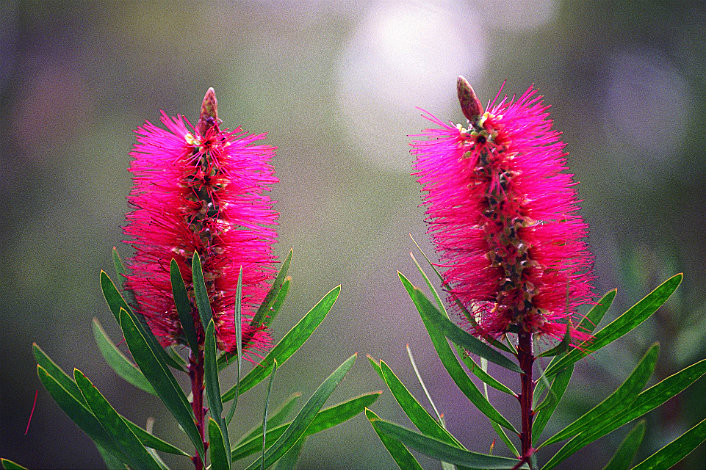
(276, 418)
(324, 419)
(454, 368)
(620, 326)
(200, 290)
(264, 415)
(289, 460)
(238, 325)
(152, 441)
(113, 424)
(431, 315)
(562, 347)
(160, 378)
(403, 457)
(267, 305)
(79, 412)
(673, 452)
(118, 361)
(622, 460)
(183, 305)
(646, 401)
(52, 369)
(545, 410)
(213, 389)
(441, 450)
(111, 461)
(10, 465)
(291, 342)
(481, 374)
(116, 302)
(216, 447)
(414, 410)
(305, 417)
(119, 267)
(616, 402)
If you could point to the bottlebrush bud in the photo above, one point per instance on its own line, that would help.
(470, 104)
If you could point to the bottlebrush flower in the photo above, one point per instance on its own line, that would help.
(201, 190)
(503, 216)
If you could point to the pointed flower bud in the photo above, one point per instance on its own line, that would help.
(470, 104)
(201, 191)
(503, 216)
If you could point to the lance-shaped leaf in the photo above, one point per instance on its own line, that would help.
(622, 459)
(115, 301)
(453, 366)
(288, 345)
(441, 450)
(325, 419)
(264, 416)
(289, 460)
(237, 322)
(183, 305)
(119, 267)
(200, 291)
(275, 418)
(160, 378)
(403, 457)
(616, 402)
(213, 388)
(546, 408)
(266, 308)
(620, 326)
(121, 435)
(118, 361)
(646, 401)
(10, 465)
(220, 458)
(305, 417)
(431, 315)
(673, 452)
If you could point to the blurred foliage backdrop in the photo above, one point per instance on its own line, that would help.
(336, 83)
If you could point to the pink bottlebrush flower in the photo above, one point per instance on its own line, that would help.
(201, 190)
(503, 216)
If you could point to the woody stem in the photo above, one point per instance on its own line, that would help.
(196, 375)
(525, 356)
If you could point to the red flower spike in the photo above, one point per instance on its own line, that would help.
(201, 191)
(503, 216)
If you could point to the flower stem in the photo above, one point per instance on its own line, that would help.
(196, 376)
(525, 356)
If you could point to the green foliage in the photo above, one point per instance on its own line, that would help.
(622, 459)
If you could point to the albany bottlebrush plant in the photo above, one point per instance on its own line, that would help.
(203, 278)
(502, 213)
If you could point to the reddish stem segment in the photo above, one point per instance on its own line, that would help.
(525, 356)
(196, 376)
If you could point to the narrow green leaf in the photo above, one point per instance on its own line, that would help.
(305, 417)
(622, 459)
(276, 418)
(216, 447)
(289, 460)
(414, 410)
(264, 416)
(152, 441)
(646, 401)
(455, 370)
(546, 408)
(213, 388)
(616, 402)
(291, 342)
(160, 378)
(237, 322)
(376, 366)
(183, 305)
(266, 307)
(279, 301)
(481, 374)
(620, 326)
(324, 419)
(439, 417)
(113, 424)
(459, 336)
(200, 291)
(118, 361)
(52, 369)
(79, 412)
(10, 465)
(441, 450)
(119, 267)
(111, 461)
(562, 347)
(673, 452)
(115, 302)
(403, 457)
(595, 315)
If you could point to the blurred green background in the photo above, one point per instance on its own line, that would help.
(336, 85)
